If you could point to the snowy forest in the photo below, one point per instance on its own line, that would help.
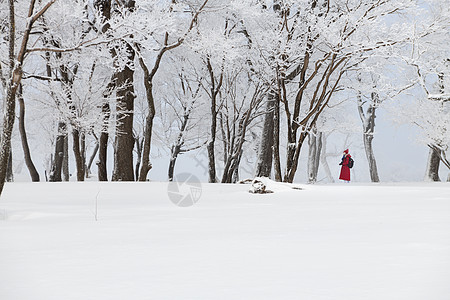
(148, 112)
(100, 87)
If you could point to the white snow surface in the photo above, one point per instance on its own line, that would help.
(336, 241)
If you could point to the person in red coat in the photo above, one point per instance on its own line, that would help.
(345, 170)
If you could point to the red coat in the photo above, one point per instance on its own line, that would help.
(345, 170)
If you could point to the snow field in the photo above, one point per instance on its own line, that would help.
(342, 241)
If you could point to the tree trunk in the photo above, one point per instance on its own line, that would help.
(103, 144)
(264, 163)
(211, 153)
(315, 149)
(276, 137)
(173, 159)
(323, 159)
(104, 9)
(23, 136)
(212, 177)
(371, 157)
(10, 101)
(148, 129)
(235, 148)
(83, 153)
(102, 157)
(368, 121)
(65, 161)
(176, 148)
(228, 170)
(435, 154)
(91, 160)
(146, 164)
(9, 171)
(432, 172)
(55, 173)
(231, 170)
(124, 142)
(236, 170)
(77, 151)
(139, 142)
(291, 168)
(8, 123)
(211, 161)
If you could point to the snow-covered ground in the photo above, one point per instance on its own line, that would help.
(341, 241)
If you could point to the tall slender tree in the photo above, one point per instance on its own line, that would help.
(149, 75)
(15, 76)
(124, 80)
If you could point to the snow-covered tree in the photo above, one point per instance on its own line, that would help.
(181, 110)
(307, 47)
(14, 70)
(427, 60)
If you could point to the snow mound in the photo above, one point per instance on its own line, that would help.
(264, 185)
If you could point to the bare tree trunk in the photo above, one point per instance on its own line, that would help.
(176, 148)
(211, 157)
(276, 138)
(60, 162)
(139, 143)
(148, 129)
(23, 136)
(436, 154)
(318, 153)
(124, 142)
(236, 170)
(210, 146)
(10, 101)
(232, 161)
(291, 169)
(104, 9)
(77, 151)
(371, 158)
(323, 159)
(91, 160)
(102, 156)
(215, 88)
(432, 172)
(83, 152)
(231, 170)
(264, 163)
(9, 171)
(65, 161)
(368, 120)
(315, 148)
(171, 169)
(103, 144)
(8, 123)
(173, 159)
(55, 173)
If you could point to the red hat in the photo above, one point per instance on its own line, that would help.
(346, 151)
